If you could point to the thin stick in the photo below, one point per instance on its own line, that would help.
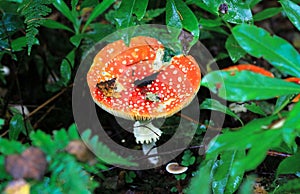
(48, 101)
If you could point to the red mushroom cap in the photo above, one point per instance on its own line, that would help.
(249, 67)
(134, 83)
(297, 81)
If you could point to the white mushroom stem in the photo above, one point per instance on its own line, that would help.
(145, 132)
(150, 149)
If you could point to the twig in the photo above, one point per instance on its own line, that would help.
(48, 101)
(43, 116)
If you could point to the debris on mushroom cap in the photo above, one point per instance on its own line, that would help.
(297, 81)
(249, 67)
(175, 168)
(134, 83)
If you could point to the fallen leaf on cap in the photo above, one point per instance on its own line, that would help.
(30, 164)
(17, 187)
(80, 151)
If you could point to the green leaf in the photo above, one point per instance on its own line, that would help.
(210, 23)
(72, 132)
(253, 107)
(292, 120)
(246, 85)
(292, 10)
(212, 104)
(172, 17)
(18, 43)
(178, 15)
(235, 51)
(44, 142)
(103, 152)
(2, 121)
(292, 186)
(99, 9)
(290, 165)
(247, 185)
(17, 125)
(65, 67)
(140, 8)
(223, 181)
(259, 43)
(123, 16)
(267, 13)
(64, 9)
(8, 147)
(238, 12)
(73, 4)
(154, 13)
(281, 102)
(61, 138)
(201, 182)
(55, 25)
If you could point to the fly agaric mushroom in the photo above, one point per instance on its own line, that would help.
(134, 82)
(297, 81)
(249, 67)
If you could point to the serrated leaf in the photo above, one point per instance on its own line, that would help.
(61, 138)
(18, 43)
(55, 25)
(246, 85)
(267, 13)
(235, 51)
(103, 152)
(10, 147)
(98, 10)
(140, 8)
(259, 43)
(292, 10)
(73, 132)
(212, 104)
(290, 165)
(44, 142)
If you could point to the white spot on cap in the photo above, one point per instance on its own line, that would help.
(124, 62)
(179, 79)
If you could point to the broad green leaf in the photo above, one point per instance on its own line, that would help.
(172, 17)
(255, 109)
(290, 165)
(252, 3)
(223, 182)
(101, 150)
(179, 14)
(18, 43)
(244, 138)
(55, 25)
(152, 13)
(291, 186)
(292, 10)
(210, 23)
(201, 182)
(246, 85)
(259, 43)
(123, 16)
(99, 9)
(238, 12)
(61, 6)
(17, 125)
(140, 8)
(204, 6)
(212, 104)
(267, 13)
(247, 185)
(292, 120)
(234, 49)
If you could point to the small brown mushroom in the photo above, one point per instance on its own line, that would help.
(175, 168)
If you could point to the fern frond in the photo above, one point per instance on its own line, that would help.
(34, 11)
